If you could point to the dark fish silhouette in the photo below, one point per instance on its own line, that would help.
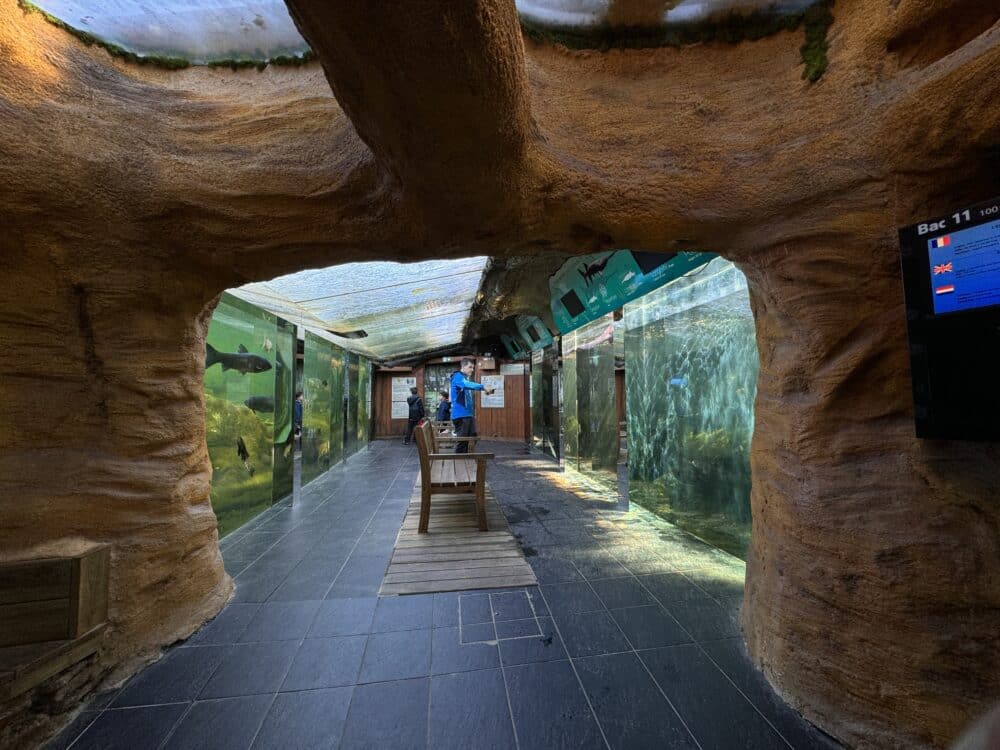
(244, 454)
(590, 271)
(260, 403)
(241, 360)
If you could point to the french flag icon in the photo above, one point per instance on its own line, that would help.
(941, 241)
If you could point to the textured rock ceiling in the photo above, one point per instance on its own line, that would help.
(131, 196)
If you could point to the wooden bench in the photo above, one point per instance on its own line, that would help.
(443, 437)
(53, 613)
(450, 473)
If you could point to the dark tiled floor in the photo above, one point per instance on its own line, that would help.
(630, 641)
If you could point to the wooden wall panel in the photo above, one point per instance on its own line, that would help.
(385, 426)
(513, 422)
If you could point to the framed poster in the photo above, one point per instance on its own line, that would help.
(496, 400)
(400, 392)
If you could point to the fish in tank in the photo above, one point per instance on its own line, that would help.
(241, 360)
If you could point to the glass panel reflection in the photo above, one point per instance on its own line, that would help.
(691, 379)
(590, 430)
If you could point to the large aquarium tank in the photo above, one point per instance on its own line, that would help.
(351, 390)
(690, 384)
(322, 420)
(284, 396)
(365, 401)
(248, 394)
(590, 430)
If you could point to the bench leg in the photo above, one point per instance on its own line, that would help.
(425, 510)
(481, 495)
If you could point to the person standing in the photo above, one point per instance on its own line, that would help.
(297, 417)
(416, 413)
(463, 404)
(444, 408)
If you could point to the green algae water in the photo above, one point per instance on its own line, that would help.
(322, 414)
(691, 375)
(590, 430)
(248, 396)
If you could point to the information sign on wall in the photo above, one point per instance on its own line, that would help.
(512, 369)
(400, 392)
(494, 401)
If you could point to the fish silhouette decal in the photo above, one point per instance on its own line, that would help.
(590, 271)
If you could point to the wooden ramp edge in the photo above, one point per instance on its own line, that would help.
(454, 555)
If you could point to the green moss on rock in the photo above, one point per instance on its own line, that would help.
(730, 29)
(167, 62)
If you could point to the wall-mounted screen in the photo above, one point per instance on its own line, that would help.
(951, 279)
(965, 268)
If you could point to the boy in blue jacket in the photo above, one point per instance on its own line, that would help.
(463, 403)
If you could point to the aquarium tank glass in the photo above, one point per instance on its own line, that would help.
(589, 423)
(545, 400)
(351, 394)
(284, 395)
(322, 366)
(690, 382)
(242, 407)
(364, 401)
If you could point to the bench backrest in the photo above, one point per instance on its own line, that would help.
(425, 446)
(53, 599)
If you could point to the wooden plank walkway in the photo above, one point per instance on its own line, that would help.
(454, 555)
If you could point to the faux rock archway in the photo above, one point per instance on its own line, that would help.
(130, 197)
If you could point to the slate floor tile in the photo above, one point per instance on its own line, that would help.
(446, 610)
(704, 619)
(549, 708)
(730, 655)
(570, 598)
(388, 715)
(228, 724)
(448, 654)
(632, 712)
(483, 631)
(69, 734)
(178, 676)
(396, 656)
(698, 689)
(403, 613)
(546, 647)
(649, 627)
(671, 587)
(336, 617)
(130, 728)
(537, 602)
(469, 710)
(554, 570)
(590, 633)
(517, 628)
(622, 592)
(280, 621)
(326, 663)
(308, 720)
(511, 606)
(251, 668)
(475, 608)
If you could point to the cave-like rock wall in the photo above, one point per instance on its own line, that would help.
(131, 196)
